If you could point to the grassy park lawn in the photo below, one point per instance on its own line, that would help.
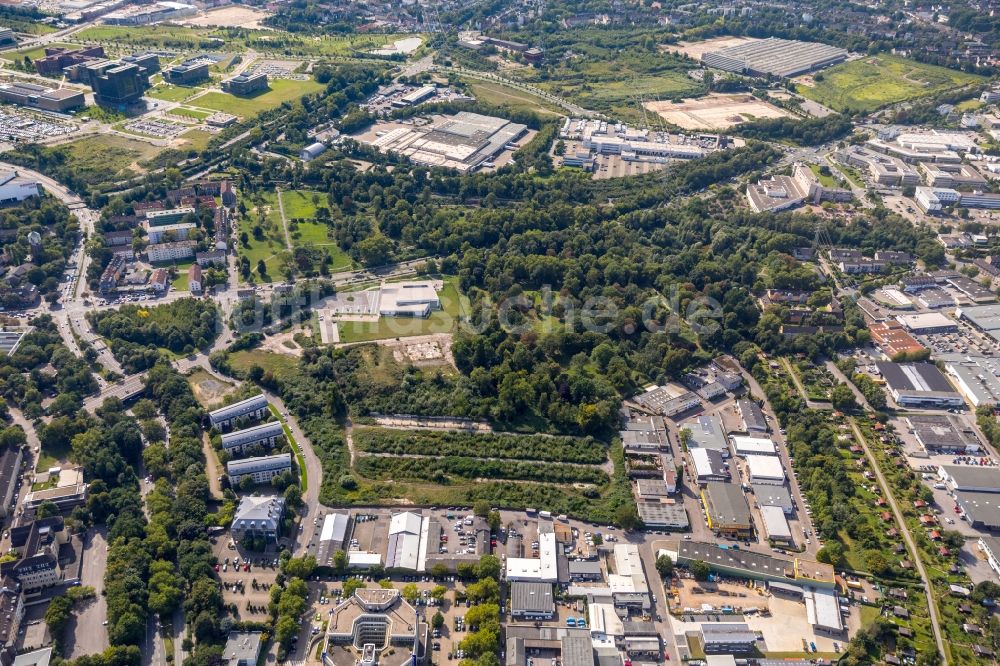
(162, 36)
(180, 282)
(876, 81)
(269, 245)
(301, 205)
(496, 94)
(825, 181)
(440, 321)
(194, 114)
(168, 92)
(197, 139)
(35, 52)
(282, 90)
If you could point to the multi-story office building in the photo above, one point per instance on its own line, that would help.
(245, 84)
(187, 72)
(35, 96)
(116, 85)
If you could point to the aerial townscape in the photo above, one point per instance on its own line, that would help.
(499, 333)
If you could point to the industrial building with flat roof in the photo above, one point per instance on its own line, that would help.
(662, 401)
(59, 100)
(944, 433)
(977, 378)
(706, 432)
(976, 491)
(918, 385)
(543, 569)
(756, 566)
(769, 494)
(464, 141)
(774, 56)
(727, 638)
(775, 524)
(764, 469)
(752, 415)
(332, 536)
(928, 322)
(726, 509)
(709, 465)
(971, 478)
(761, 446)
(242, 648)
(986, 318)
(531, 601)
(663, 514)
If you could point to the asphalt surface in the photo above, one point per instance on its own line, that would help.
(86, 633)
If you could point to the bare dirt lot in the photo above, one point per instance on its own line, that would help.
(207, 389)
(697, 49)
(715, 111)
(692, 594)
(231, 16)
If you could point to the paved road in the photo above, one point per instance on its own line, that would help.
(313, 472)
(86, 633)
(911, 545)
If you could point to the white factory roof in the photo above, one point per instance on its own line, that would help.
(765, 468)
(542, 569)
(707, 463)
(362, 560)
(925, 320)
(775, 523)
(334, 528)
(604, 620)
(407, 548)
(823, 609)
(753, 445)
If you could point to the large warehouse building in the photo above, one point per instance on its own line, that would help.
(32, 95)
(984, 317)
(918, 385)
(777, 57)
(464, 141)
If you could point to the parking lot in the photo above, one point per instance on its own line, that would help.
(246, 579)
(155, 128)
(20, 125)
